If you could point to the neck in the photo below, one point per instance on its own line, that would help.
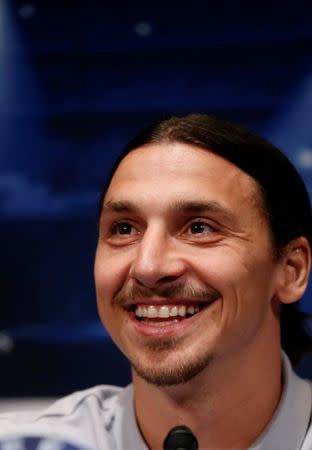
(227, 405)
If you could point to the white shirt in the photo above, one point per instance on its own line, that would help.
(103, 418)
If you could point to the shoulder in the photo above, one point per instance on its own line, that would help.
(100, 398)
(84, 415)
(307, 442)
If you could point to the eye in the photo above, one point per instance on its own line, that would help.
(200, 228)
(123, 229)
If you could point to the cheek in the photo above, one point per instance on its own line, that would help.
(218, 266)
(242, 274)
(110, 271)
(246, 285)
(106, 280)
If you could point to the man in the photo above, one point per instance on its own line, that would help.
(204, 248)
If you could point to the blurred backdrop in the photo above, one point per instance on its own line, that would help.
(77, 80)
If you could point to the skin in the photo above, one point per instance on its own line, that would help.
(221, 373)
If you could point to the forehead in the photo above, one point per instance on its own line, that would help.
(167, 170)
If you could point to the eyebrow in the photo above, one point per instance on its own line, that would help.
(179, 206)
(119, 207)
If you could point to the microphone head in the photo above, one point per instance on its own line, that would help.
(180, 438)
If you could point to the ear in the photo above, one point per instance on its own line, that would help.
(295, 268)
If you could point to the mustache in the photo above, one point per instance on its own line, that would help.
(128, 296)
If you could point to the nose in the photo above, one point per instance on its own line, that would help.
(157, 260)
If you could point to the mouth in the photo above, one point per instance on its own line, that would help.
(166, 314)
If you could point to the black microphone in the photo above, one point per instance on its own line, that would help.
(180, 438)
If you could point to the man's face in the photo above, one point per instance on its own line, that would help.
(184, 269)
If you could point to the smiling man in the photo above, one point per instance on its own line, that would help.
(180, 229)
(204, 248)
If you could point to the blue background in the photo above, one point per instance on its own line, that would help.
(77, 80)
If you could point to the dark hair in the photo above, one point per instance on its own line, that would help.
(285, 199)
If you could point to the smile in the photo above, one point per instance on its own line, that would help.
(165, 311)
(166, 314)
(158, 320)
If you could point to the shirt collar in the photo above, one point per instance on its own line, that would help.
(291, 420)
(127, 434)
(286, 430)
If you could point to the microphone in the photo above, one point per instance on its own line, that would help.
(180, 438)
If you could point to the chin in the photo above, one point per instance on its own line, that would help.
(171, 373)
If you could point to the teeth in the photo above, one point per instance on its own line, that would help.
(165, 311)
(152, 311)
(160, 322)
(174, 311)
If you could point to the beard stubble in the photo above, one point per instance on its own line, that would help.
(184, 369)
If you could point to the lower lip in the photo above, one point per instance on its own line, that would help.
(165, 330)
